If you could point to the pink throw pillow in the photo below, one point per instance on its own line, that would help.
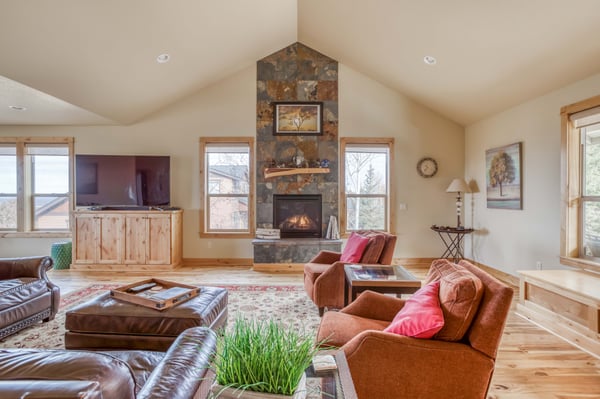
(421, 316)
(354, 248)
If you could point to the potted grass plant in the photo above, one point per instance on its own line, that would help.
(262, 359)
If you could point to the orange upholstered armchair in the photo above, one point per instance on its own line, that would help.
(324, 278)
(449, 365)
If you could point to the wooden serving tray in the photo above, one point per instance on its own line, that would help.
(156, 294)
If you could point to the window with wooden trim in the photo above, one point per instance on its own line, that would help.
(35, 184)
(365, 184)
(227, 186)
(580, 185)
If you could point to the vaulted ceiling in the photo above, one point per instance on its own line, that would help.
(94, 62)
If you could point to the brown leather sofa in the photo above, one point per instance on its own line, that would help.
(26, 294)
(324, 277)
(180, 373)
(458, 362)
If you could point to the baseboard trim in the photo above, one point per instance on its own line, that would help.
(212, 262)
(279, 267)
(500, 275)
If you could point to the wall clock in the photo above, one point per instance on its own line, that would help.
(427, 167)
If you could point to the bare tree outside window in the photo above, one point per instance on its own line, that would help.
(8, 213)
(366, 188)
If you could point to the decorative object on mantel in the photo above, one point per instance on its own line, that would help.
(268, 234)
(458, 186)
(298, 161)
(503, 177)
(275, 172)
(297, 118)
(333, 231)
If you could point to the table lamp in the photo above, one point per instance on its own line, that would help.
(458, 186)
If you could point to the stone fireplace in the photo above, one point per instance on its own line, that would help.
(297, 216)
(296, 73)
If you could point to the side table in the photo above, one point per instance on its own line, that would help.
(452, 238)
(388, 279)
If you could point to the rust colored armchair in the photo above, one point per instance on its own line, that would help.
(386, 365)
(324, 278)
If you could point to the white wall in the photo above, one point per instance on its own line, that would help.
(368, 108)
(228, 108)
(512, 240)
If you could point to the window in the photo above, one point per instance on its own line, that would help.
(227, 183)
(366, 190)
(590, 139)
(580, 232)
(35, 184)
(8, 187)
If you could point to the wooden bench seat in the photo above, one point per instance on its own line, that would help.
(565, 302)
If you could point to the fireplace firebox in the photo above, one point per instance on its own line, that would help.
(297, 215)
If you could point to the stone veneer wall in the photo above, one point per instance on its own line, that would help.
(296, 73)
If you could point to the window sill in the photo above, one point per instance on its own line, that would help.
(35, 234)
(585, 264)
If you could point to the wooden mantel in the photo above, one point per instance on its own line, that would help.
(275, 172)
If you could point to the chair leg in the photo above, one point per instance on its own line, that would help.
(321, 310)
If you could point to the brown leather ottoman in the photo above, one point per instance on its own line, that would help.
(108, 323)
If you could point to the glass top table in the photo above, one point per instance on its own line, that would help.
(387, 279)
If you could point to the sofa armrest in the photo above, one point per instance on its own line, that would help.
(373, 305)
(326, 257)
(34, 266)
(389, 365)
(184, 366)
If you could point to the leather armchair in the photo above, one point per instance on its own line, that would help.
(324, 277)
(27, 296)
(180, 373)
(387, 365)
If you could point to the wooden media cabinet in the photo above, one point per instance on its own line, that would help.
(127, 240)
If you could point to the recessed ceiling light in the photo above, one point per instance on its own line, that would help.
(163, 58)
(429, 60)
(17, 108)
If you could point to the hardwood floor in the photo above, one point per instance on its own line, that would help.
(532, 363)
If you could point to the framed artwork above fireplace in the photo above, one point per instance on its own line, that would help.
(297, 118)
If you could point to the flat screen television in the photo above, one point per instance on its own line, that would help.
(122, 180)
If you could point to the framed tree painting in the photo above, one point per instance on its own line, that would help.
(297, 118)
(504, 177)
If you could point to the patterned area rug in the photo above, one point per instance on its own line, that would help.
(286, 304)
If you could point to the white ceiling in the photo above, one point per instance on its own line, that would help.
(94, 62)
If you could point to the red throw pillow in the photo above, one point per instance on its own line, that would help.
(354, 248)
(421, 316)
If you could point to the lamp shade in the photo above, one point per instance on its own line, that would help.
(458, 186)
